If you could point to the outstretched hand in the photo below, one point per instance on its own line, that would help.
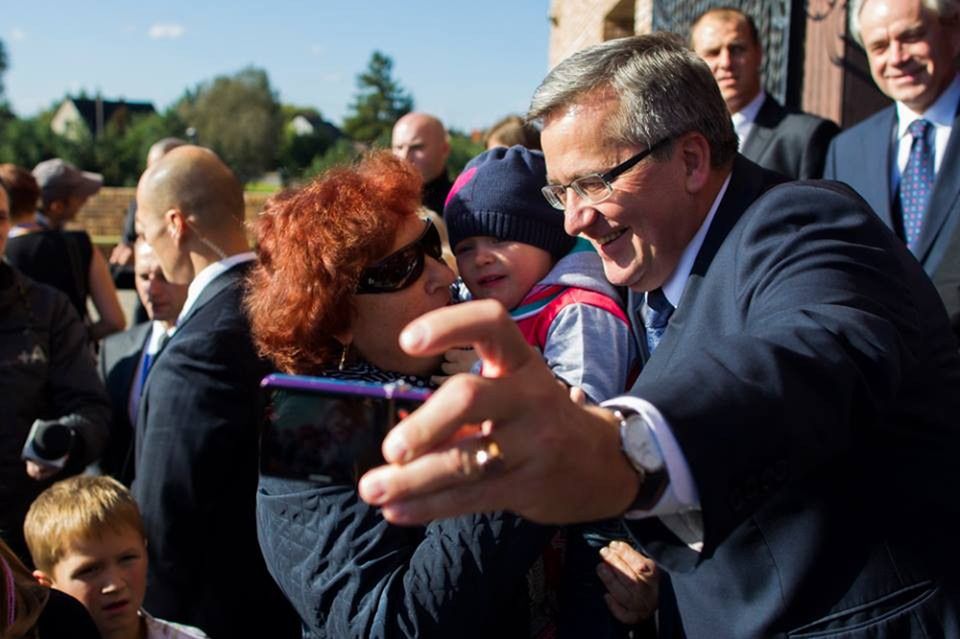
(559, 462)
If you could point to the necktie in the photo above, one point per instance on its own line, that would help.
(150, 358)
(655, 313)
(917, 181)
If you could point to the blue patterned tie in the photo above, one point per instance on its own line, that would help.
(655, 313)
(916, 182)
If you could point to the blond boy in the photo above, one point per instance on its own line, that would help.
(86, 538)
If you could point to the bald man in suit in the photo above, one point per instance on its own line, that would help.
(196, 436)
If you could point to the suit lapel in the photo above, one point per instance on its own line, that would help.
(747, 183)
(634, 300)
(229, 278)
(877, 160)
(211, 290)
(943, 199)
(768, 117)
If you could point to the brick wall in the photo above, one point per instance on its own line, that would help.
(580, 23)
(102, 216)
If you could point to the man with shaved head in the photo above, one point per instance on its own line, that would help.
(420, 139)
(195, 453)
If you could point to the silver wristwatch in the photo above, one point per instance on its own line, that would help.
(640, 448)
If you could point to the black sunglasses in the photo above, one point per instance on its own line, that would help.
(401, 268)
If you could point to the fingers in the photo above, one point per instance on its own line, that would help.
(458, 360)
(485, 324)
(635, 561)
(466, 461)
(621, 613)
(482, 496)
(631, 582)
(468, 399)
(40, 472)
(577, 396)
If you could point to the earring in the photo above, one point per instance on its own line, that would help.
(343, 357)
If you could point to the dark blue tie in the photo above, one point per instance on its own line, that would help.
(916, 183)
(655, 313)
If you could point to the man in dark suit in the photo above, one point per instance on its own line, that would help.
(786, 451)
(789, 142)
(196, 433)
(126, 358)
(911, 49)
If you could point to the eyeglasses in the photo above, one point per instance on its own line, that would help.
(401, 268)
(596, 187)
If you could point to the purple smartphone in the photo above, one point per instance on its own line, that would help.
(327, 430)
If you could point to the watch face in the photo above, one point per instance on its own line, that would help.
(640, 446)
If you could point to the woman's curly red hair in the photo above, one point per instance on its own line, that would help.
(312, 245)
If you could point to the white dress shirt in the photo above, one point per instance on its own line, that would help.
(207, 275)
(679, 506)
(744, 118)
(157, 332)
(941, 114)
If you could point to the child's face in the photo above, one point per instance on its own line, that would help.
(108, 576)
(500, 270)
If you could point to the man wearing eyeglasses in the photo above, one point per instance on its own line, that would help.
(783, 454)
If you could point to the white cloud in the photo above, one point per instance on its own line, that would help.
(18, 35)
(316, 49)
(166, 31)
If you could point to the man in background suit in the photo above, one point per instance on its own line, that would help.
(785, 453)
(126, 358)
(196, 433)
(912, 48)
(788, 142)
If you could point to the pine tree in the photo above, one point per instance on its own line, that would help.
(379, 103)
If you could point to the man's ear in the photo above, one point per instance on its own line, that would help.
(695, 152)
(177, 225)
(42, 578)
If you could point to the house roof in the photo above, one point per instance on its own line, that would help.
(87, 107)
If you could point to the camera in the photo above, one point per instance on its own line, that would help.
(327, 430)
(48, 443)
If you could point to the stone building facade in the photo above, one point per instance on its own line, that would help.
(815, 65)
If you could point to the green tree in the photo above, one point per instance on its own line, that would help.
(379, 103)
(462, 150)
(298, 149)
(3, 66)
(342, 153)
(25, 141)
(121, 153)
(237, 116)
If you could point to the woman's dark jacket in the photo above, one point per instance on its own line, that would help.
(349, 573)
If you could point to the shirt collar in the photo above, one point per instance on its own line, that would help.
(941, 113)
(749, 112)
(673, 287)
(43, 220)
(207, 275)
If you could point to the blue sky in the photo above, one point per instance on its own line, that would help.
(467, 62)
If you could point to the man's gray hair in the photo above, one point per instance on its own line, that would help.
(944, 9)
(664, 89)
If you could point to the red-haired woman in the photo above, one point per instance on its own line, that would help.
(345, 264)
